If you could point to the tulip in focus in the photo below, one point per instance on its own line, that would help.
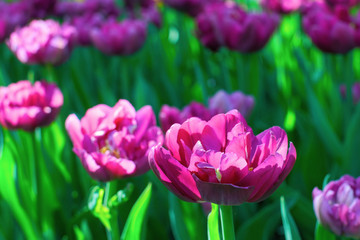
(226, 24)
(337, 207)
(120, 38)
(26, 106)
(43, 42)
(222, 161)
(282, 6)
(223, 102)
(113, 142)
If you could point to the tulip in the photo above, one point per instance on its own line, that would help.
(42, 42)
(222, 161)
(26, 106)
(191, 7)
(113, 142)
(12, 15)
(227, 24)
(65, 8)
(222, 102)
(170, 115)
(40, 8)
(105, 7)
(120, 38)
(337, 207)
(282, 6)
(331, 31)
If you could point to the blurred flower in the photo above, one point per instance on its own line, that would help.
(107, 8)
(42, 42)
(113, 142)
(170, 115)
(67, 8)
(227, 24)
(26, 106)
(222, 161)
(84, 25)
(345, 3)
(282, 6)
(355, 91)
(331, 30)
(337, 207)
(223, 102)
(149, 14)
(12, 15)
(40, 8)
(191, 7)
(121, 38)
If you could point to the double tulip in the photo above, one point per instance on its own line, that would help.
(26, 106)
(222, 161)
(113, 142)
(337, 207)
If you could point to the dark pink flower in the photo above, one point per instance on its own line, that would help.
(330, 30)
(191, 7)
(337, 207)
(113, 142)
(40, 8)
(43, 42)
(26, 106)
(120, 38)
(223, 102)
(12, 15)
(282, 6)
(170, 115)
(227, 24)
(222, 161)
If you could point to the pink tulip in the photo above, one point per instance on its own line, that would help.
(120, 38)
(170, 115)
(43, 42)
(227, 24)
(26, 106)
(331, 30)
(222, 161)
(113, 142)
(223, 102)
(282, 6)
(337, 207)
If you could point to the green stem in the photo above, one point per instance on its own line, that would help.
(227, 223)
(113, 233)
(38, 176)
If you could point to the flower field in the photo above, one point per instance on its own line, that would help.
(180, 119)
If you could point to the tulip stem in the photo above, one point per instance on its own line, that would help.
(38, 173)
(227, 223)
(114, 232)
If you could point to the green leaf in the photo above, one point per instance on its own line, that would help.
(213, 223)
(134, 223)
(323, 234)
(177, 219)
(121, 196)
(290, 228)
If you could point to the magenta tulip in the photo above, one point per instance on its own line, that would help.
(120, 38)
(223, 102)
(337, 207)
(222, 161)
(43, 42)
(113, 142)
(25, 106)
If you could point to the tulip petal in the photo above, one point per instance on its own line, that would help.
(222, 193)
(72, 125)
(175, 176)
(144, 119)
(93, 118)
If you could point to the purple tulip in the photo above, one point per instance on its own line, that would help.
(227, 24)
(70, 9)
(113, 142)
(12, 15)
(26, 106)
(337, 207)
(330, 30)
(105, 7)
(346, 3)
(191, 7)
(40, 8)
(282, 6)
(222, 161)
(223, 102)
(120, 38)
(42, 42)
(170, 115)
